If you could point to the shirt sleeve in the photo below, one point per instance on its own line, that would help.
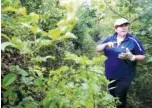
(138, 48)
(104, 41)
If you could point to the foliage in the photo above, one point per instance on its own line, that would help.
(38, 69)
(48, 52)
(87, 31)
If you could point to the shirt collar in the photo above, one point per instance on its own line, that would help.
(115, 36)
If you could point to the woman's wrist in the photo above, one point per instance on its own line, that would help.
(133, 58)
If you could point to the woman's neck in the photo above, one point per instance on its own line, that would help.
(121, 36)
(120, 39)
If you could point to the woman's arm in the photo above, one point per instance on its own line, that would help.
(101, 47)
(139, 57)
(130, 56)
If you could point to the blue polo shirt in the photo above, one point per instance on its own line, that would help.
(121, 69)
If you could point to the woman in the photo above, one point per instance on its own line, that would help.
(123, 51)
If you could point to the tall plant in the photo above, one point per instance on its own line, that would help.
(27, 82)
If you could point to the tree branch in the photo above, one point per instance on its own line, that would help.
(114, 11)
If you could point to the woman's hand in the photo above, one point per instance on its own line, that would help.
(127, 55)
(111, 44)
(101, 47)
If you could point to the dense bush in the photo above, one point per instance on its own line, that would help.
(38, 68)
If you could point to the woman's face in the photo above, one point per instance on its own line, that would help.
(122, 30)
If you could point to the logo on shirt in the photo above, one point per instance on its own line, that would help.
(122, 47)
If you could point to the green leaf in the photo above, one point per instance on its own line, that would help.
(27, 80)
(84, 60)
(69, 56)
(34, 17)
(38, 82)
(108, 98)
(35, 29)
(68, 35)
(70, 84)
(99, 59)
(61, 69)
(41, 59)
(6, 37)
(97, 69)
(17, 43)
(22, 11)
(85, 86)
(51, 99)
(43, 42)
(9, 79)
(149, 59)
(26, 48)
(31, 105)
(54, 33)
(4, 45)
(12, 97)
(9, 9)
